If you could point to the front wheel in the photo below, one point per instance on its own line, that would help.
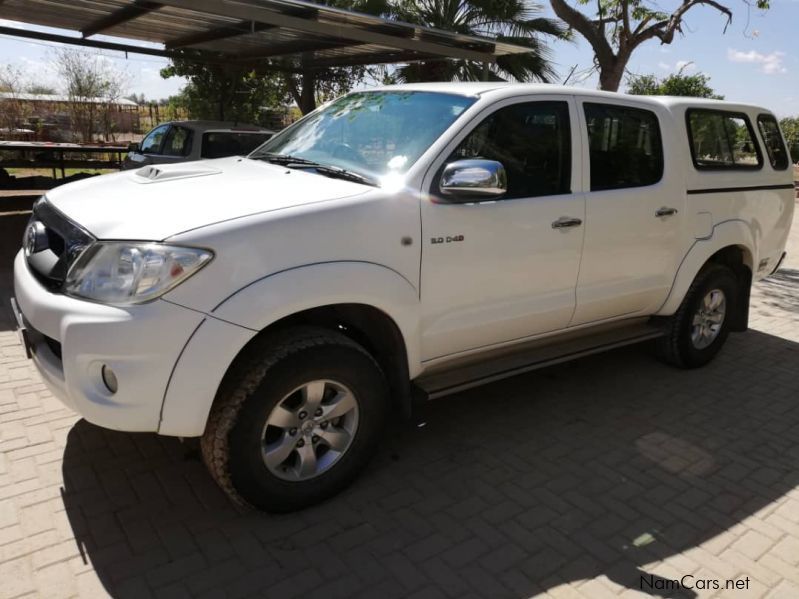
(297, 421)
(698, 330)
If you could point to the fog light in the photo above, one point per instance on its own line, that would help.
(110, 379)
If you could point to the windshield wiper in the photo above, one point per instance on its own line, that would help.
(323, 169)
(284, 159)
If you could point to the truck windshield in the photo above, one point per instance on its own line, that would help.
(370, 133)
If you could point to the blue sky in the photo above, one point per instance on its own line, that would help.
(757, 60)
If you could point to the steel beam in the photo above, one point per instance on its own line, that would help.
(122, 15)
(294, 47)
(218, 33)
(254, 12)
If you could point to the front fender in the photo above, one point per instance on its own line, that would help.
(237, 319)
(727, 233)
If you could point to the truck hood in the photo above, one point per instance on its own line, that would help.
(159, 201)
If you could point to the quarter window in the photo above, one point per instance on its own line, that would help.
(219, 144)
(775, 148)
(722, 140)
(532, 141)
(625, 147)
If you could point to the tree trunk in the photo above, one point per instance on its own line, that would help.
(307, 101)
(611, 73)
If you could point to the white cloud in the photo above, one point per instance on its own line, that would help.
(770, 64)
(665, 66)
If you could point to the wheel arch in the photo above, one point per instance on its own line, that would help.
(365, 324)
(380, 313)
(732, 245)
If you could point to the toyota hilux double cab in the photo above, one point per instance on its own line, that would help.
(396, 244)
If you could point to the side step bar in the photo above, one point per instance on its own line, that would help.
(439, 384)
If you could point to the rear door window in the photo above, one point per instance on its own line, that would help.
(177, 142)
(775, 148)
(722, 140)
(625, 147)
(219, 144)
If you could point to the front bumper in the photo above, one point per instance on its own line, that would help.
(70, 341)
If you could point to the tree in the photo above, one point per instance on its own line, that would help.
(40, 88)
(790, 129)
(240, 92)
(93, 86)
(618, 27)
(512, 21)
(695, 86)
(225, 92)
(138, 98)
(13, 111)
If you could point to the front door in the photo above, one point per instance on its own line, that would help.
(498, 271)
(634, 212)
(149, 148)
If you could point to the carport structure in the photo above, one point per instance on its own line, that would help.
(285, 35)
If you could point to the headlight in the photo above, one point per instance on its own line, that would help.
(120, 272)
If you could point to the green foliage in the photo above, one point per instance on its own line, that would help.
(695, 86)
(615, 29)
(790, 129)
(225, 92)
(513, 21)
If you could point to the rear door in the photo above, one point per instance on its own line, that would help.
(634, 210)
(176, 147)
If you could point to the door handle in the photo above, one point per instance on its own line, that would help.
(665, 211)
(564, 222)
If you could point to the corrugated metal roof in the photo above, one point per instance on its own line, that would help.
(289, 34)
(62, 98)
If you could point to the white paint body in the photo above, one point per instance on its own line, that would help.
(286, 241)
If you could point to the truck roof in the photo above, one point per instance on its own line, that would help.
(220, 125)
(502, 88)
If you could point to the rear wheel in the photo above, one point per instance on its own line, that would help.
(697, 332)
(297, 421)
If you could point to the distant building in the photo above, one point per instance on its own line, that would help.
(49, 115)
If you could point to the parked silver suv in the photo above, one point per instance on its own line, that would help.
(183, 141)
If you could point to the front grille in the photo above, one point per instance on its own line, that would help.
(52, 243)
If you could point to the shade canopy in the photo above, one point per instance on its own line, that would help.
(282, 34)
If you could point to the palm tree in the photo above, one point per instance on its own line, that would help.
(512, 21)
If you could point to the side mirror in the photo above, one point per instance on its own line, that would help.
(133, 147)
(466, 180)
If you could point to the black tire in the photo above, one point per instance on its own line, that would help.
(677, 347)
(232, 442)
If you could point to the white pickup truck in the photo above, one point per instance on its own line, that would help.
(397, 244)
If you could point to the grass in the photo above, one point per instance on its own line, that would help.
(32, 172)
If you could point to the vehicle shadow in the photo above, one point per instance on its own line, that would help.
(604, 466)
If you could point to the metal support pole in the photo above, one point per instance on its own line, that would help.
(486, 70)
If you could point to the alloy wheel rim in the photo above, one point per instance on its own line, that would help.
(309, 430)
(708, 319)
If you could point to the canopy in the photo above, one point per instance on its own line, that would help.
(284, 34)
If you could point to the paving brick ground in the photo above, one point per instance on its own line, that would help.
(577, 481)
